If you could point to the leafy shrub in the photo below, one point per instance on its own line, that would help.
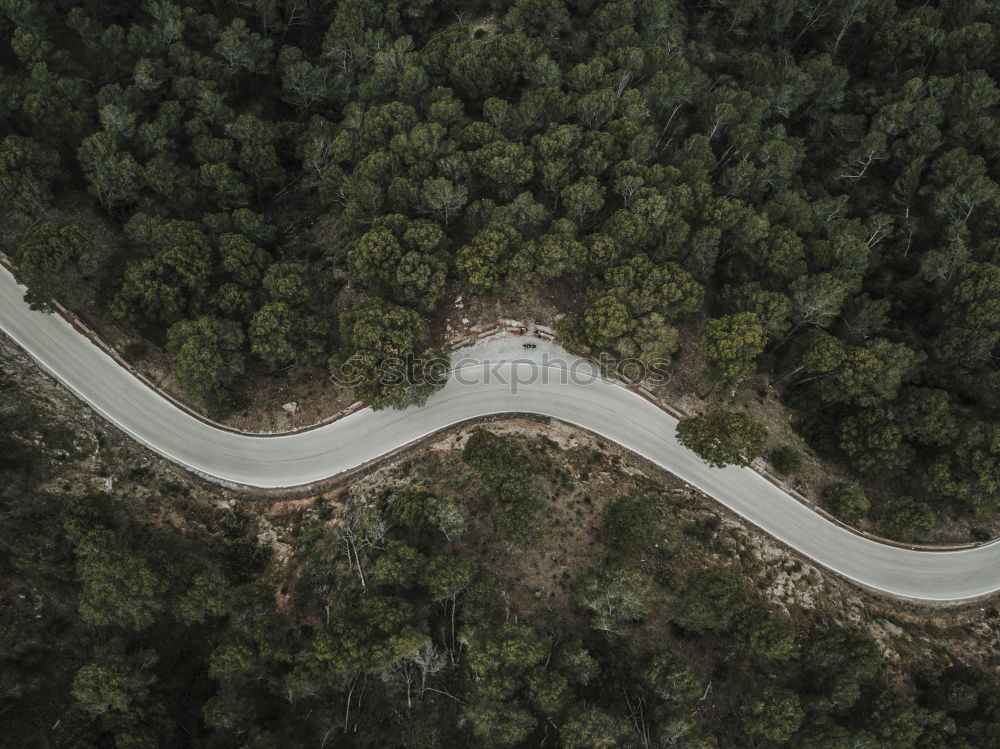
(911, 520)
(846, 501)
(630, 522)
(786, 460)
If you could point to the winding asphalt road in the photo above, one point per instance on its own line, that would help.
(495, 376)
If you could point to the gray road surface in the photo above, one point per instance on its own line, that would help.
(480, 387)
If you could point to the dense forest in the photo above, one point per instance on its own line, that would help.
(818, 177)
(144, 612)
(251, 184)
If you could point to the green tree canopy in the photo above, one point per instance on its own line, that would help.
(733, 344)
(708, 603)
(483, 261)
(723, 437)
(386, 360)
(846, 501)
(61, 261)
(774, 714)
(616, 598)
(207, 354)
(403, 260)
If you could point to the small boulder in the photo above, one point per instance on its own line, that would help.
(291, 407)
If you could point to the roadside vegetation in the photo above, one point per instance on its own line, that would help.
(814, 184)
(500, 588)
(800, 195)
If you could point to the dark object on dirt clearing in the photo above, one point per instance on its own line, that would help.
(529, 345)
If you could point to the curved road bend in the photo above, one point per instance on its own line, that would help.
(475, 390)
